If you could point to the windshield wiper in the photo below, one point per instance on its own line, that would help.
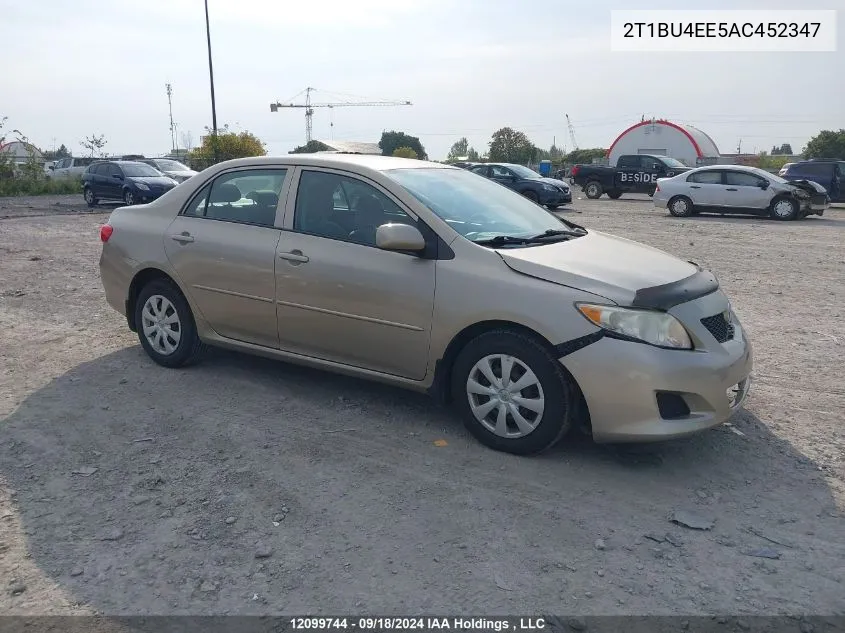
(505, 240)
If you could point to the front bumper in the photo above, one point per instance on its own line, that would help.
(816, 205)
(555, 198)
(149, 196)
(625, 384)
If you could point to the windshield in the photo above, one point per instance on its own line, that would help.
(671, 162)
(139, 170)
(477, 208)
(524, 172)
(171, 165)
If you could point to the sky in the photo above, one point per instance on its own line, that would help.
(469, 67)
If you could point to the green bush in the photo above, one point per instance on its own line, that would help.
(39, 186)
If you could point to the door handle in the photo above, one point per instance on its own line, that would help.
(730, 189)
(184, 238)
(294, 256)
(695, 187)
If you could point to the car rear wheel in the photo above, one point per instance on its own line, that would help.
(165, 324)
(129, 197)
(784, 209)
(593, 190)
(681, 207)
(532, 196)
(615, 194)
(511, 393)
(90, 198)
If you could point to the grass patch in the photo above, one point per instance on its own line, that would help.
(27, 187)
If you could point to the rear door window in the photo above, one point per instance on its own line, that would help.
(629, 162)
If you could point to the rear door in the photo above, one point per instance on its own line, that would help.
(744, 190)
(223, 249)
(629, 172)
(706, 188)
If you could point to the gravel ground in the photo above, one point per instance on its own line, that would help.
(249, 486)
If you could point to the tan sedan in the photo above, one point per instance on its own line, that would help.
(431, 278)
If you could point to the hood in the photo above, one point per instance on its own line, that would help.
(554, 181)
(813, 188)
(605, 265)
(161, 181)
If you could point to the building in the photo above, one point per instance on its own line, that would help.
(685, 143)
(350, 147)
(20, 152)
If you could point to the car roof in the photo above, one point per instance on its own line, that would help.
(736, 167)
(369, 161)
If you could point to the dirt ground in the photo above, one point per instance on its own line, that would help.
(249, 486)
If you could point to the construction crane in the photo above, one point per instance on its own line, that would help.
(571, 132)
(309, 107)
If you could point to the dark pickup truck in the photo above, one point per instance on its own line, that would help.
(634, 173)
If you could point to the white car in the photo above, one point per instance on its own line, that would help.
(739, 189)
(784, 169)
(72, 167)
(169, 167)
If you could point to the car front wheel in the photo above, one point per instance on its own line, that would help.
(129, 197)
(512, 394)
(165, 325)
(784, 209)
(593, 190)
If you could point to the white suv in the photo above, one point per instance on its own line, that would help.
(70, 167)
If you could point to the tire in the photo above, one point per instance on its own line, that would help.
(681, 207)
(532, 196)
(552, 392)
(129, 197)
(615, 194)
(593, 190)
(90, 198)
(784, 209)
(163, 297)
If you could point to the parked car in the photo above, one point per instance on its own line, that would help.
(129, 181)
(72, 167)
(739, 189)
(548, 192)
(830, 174)
(169, 167)
(633, 173)
(534, 326)
(782, 171)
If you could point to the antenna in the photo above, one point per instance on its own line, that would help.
(571, 132)
(172, 124)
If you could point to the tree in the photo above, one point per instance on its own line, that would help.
(510, 146)
(786, 148)
(187, 140)
(391, 141)
(309, 148)
(826, 144)
(459, 149)
(472, 154)
(226, 146)
(404, 152)
(94, 143)
(62, 152)
(584, 156)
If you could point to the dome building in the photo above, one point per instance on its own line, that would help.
(685, 143)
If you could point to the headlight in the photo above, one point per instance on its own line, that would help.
(549, 188)
(656, 328)
(142, 186)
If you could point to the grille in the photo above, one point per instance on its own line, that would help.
(721, 329)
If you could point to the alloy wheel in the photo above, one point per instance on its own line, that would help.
(505, 396)
(161, 325)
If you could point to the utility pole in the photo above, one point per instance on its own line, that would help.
(211, 81)
(172, 124)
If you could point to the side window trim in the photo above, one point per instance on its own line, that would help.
(280, 207)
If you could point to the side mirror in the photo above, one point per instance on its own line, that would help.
(764, 184)
(117, 176)
(51, 167)
(399, 237)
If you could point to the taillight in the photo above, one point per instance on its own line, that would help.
(574, 171)
(657, 188)
(105, 232)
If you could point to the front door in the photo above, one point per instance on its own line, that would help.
(744, 190)
(223, 249)
(339, 297)
(113, 182)
(503, 176)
